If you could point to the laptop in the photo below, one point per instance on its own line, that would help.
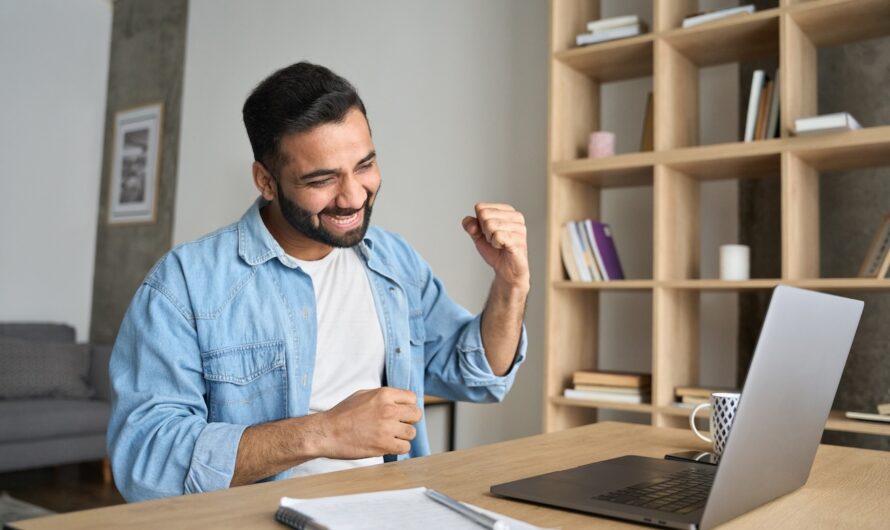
(785, 402)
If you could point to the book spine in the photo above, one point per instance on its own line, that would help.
(604, 396)
(578, 251)
(590, 252)
(753, 100)
(609, 252)
(772, 128)
(763, 108)
(568, 254)
(588, 229)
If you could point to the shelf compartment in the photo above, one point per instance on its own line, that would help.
(861, 20)
(617, 285)
(620, 171)
(859, 149)
(732, 39)
(611, 61)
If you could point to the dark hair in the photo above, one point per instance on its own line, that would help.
(295, 99)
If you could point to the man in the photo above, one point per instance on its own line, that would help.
(301, 340)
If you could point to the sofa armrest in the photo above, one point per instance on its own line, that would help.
(100, 354)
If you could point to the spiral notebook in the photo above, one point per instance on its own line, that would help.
(405, 509)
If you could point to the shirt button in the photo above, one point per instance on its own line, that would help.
(398, 350)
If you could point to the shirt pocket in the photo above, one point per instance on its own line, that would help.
(246, 384)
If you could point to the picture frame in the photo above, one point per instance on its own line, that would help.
(133, 183)
(877, 259)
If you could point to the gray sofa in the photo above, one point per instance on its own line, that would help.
(48, 431)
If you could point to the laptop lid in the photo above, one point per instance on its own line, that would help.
(787, 397)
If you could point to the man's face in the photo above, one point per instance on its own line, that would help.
(328, 181)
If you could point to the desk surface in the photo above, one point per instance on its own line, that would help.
(847, 487)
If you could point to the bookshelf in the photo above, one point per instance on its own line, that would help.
(678, 166)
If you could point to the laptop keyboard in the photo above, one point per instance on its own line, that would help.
(682, 492)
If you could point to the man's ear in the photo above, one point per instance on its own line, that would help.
(264, 181)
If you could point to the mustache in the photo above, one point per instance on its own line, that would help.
(345, 212)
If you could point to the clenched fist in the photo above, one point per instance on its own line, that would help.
(371, 423)
(499, 233)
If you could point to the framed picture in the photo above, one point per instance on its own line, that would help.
(877, 259)
(134, 169)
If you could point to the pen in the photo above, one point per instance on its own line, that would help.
(477, 517)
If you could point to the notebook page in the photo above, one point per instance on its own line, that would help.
(390, 510)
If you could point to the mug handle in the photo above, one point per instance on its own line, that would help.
(692, 423)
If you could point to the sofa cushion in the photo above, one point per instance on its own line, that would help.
(35, 419)
(37, 331)
(32, 369)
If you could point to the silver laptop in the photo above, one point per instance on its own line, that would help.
(787, 396)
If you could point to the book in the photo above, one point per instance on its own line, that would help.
(772, 126)
(884, 408)
(405, 508)
(699, 391)
(877, 258)
(616, 397)
(606, 244)
(616, 389)
(702, 18)
(757, 80)
(647, 138)
(612, 22)
(589, 251)
(839, 121)
(763, 110)
(568, 254)
(610, 34)
(867, 416)
(578, 253)
(623, 379)
(597, 258)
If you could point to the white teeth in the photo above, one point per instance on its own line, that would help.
(343, 220)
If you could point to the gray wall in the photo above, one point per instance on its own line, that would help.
(853, 78)
(146, 65)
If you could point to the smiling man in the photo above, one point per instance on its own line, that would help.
(300, 339)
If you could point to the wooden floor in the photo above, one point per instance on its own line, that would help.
(63, 488)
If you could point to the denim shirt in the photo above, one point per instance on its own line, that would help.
(221, 335)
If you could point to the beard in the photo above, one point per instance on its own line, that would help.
(301, 220)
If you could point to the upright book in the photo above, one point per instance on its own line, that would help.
(757, 81)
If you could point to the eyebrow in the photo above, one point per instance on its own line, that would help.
(328, 171)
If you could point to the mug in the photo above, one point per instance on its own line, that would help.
(724, 405)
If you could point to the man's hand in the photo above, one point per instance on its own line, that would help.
(499, 233)
(370, 423)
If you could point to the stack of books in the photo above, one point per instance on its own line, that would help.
(690, 396)
(618, 387)
(762, 118)
(607, 29)
(588, 252)
(839, 121)
(701, 18)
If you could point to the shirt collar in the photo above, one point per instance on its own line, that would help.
(257, 246)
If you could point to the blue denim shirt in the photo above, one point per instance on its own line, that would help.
(221, 335)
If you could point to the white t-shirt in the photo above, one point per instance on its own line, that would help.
(349, 348)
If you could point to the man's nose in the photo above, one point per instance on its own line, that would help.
(352, 194)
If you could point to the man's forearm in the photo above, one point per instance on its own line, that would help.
(269, 448)
(502, 325)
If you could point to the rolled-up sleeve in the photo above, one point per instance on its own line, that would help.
(456, 365)
(159, 440)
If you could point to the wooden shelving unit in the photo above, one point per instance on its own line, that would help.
(672, 56)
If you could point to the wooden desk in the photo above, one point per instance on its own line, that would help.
(847, 487)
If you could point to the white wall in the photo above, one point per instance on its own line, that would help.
(456, 94)
(54, 63)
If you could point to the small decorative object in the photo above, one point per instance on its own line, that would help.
(877, 259)
(602, 144)
(134, 170)
(734, 262)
